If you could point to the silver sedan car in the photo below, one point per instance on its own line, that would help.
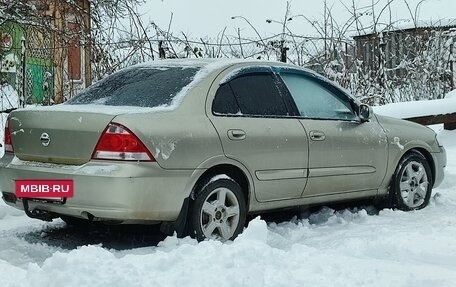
(197, 145)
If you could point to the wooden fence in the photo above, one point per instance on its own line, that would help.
(448, 120)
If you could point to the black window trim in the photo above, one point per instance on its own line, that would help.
(293, 109)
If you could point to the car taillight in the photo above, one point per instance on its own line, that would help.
(7, 137)
(119, 143)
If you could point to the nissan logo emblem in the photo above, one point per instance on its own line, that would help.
(45, 139)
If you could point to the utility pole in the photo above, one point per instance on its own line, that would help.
(452, 66)
(283, 51)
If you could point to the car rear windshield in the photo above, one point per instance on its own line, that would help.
(140, 87)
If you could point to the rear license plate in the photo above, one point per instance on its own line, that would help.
(49, 189)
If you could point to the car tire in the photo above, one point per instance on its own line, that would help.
(411, 186)
(219, 210)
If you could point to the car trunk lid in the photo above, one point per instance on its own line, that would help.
(56, 136)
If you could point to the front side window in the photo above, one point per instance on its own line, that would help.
(313, 100)
(255, 94)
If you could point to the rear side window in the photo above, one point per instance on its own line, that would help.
(140, 87)
(224, 102)
(257, 95)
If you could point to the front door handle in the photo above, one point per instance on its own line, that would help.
(236, 135)
(317, 135)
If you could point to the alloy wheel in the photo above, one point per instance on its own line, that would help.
(219, 216)
(414, 184)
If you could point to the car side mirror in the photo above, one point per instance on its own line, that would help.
(365, 112)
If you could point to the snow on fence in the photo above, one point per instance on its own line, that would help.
(430, 112)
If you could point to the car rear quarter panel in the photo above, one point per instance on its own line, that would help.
(182, 138)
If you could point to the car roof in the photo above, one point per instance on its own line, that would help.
(211, 65)
(215, 63)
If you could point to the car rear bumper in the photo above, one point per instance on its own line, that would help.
(440, 161)
(123, 191)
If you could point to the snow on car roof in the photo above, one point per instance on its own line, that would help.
(210, 64)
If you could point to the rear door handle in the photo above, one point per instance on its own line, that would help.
(317, 135)
(236, 135)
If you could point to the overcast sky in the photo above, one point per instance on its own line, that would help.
(200, 18)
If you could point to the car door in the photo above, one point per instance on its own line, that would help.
(345, 154)
(251, 118)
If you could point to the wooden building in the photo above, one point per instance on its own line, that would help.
(427, 46)
(47, 56)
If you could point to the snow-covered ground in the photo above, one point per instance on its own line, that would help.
(347, 247)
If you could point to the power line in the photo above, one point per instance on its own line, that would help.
(217, 43)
